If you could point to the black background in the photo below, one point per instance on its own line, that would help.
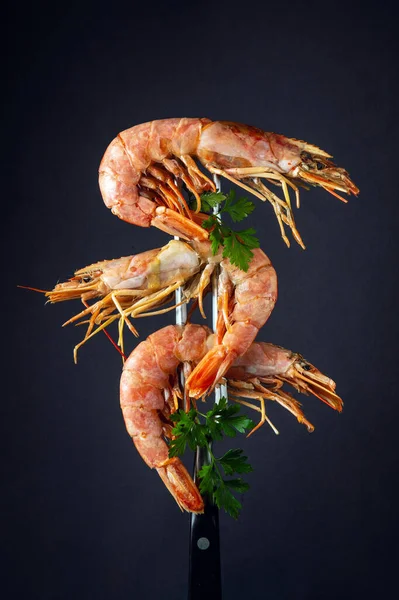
(83, 516)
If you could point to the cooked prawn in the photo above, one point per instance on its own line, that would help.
(245, 302)
(135, 286)
(149, 393)
(141, 285)
(146, 394)
(260, 373)
(140, 168)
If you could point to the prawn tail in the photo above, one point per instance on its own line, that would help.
(209, 371)
(174, 223)
(180, 484)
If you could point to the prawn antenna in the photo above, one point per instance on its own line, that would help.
(115, 345)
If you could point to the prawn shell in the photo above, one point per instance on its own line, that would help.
(262, 360)
(255, 298)
(228, 145)
(152, 450)
(135, 391)
(163, 348)
(142, 422)
(193, 343)
(144, 362)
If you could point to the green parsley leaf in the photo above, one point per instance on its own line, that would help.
(177, 447)
(225, 499)
(247, 237)
(209, 200)
(225, 417)
(221, 419)
(211, 483)
(210, 222)
(216, 237)
(238, 485)
(237, 209)
(238, 247)
(186, 431)
(209, 479)
(234, 462)
(215, 430)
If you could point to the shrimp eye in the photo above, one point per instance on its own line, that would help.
(319, 166)
(86, 279)
(305, 366)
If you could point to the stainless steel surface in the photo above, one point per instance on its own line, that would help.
(220, 390)
(204, 578)
(181, 311)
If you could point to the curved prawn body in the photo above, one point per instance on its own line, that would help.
(138, 172)
(245, 302)
(150, 393)
(148, 398)
(140, 168)
(141, 285)
(132, 286)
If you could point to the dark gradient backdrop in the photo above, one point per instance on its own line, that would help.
(84, 518)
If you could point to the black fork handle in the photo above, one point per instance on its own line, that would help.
(204, 553)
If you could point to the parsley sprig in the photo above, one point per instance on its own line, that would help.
(237, 245)
(222, 419)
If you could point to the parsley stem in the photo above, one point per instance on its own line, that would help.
(214, 460)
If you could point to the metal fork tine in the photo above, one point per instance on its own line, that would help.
(204, 550)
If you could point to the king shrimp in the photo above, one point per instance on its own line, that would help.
(141, 169)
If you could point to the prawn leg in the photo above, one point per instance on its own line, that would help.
(205, 280)
(266, 195)
(283, 398)
(180, 173)
(262, 192)
(164, 176)
(238, 398)
(271, 175)
(224, 173)
(201, 181)
(282, 209)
